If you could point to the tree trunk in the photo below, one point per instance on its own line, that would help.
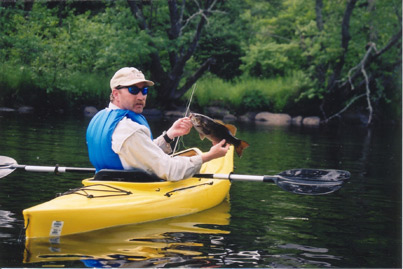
(345, 38)
(168, 80)
(318, 11)
(320, 69)
(333, 98)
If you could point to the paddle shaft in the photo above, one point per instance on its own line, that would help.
(61, 169)
(269, 179)
(56, 169)
(233, 177)
(236, 177)
(299, 181)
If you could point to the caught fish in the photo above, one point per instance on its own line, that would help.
(216, 131)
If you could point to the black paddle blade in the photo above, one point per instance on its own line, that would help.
(6, 165)
(312, 181)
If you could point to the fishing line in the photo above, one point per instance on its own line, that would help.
(186, 114)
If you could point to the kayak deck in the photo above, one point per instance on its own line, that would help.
(101, 204)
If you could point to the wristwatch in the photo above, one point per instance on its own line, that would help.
(166, 137)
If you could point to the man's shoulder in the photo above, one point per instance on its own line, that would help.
(128, 125)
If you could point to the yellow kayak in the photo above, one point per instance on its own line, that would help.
(101, 204)
(140, 242)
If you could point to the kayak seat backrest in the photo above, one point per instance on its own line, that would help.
(134, 175)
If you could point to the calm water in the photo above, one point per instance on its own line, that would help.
(260, 225)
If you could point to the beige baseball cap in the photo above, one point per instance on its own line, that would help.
(128, 76)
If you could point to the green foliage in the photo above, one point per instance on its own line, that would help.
(271, 59)
(224, 43)
(252, 94)
(71, 58)
(290, 39)
(270, 55)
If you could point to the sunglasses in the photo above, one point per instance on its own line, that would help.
(135, 90)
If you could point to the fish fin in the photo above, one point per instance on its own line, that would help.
(239, 149)
(201, 136)
(231, 128)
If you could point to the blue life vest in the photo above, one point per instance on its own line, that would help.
(99, 137)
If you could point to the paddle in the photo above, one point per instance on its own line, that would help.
(8, 165)
(300, 181)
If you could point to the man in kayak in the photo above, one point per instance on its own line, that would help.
(119, 137)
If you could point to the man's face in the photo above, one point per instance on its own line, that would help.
(126, 100)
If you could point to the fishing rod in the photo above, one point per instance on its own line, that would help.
(186, 114)
(298, 181)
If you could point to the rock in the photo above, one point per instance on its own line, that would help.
(216, 112)
(273, 118)
(248, 117)
(296, 121)
(311, 121)
(229, 118)
(26, 110)
(90, 111)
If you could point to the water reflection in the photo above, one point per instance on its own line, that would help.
(6, 221)
(153, 244)
(357, 227)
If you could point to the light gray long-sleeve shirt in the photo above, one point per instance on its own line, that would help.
(132, 142)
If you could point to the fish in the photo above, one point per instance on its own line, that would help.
(216, 130)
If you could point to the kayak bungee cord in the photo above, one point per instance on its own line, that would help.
(86, 189)
(186, 114)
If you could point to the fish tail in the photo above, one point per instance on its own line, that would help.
(239, 148)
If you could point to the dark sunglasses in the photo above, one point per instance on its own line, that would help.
(134, 89)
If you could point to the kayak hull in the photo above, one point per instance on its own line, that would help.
(102, 204)
(140, 242)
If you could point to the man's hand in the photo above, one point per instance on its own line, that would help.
(216, 151)
(180, 127)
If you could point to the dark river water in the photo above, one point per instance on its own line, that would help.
(259, 226)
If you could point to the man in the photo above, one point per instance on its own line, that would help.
(119, 136)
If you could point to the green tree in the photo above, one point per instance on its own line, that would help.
(327, 39)
(175, 34)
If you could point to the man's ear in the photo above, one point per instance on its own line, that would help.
(115, 93)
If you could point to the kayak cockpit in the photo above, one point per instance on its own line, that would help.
(137, 175)
(133, 175)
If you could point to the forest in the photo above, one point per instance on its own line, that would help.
(306, 57)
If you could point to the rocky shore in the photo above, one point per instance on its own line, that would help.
(224, 115)
(263, 117)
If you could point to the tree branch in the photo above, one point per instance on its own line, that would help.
(345, 108)
(178, 68)
(192, 79)
(393, 40)
(361, 65)
(138, 14)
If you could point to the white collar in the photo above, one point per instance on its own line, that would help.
(113, 106)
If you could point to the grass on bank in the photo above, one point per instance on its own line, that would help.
(55, 90)
(251, 94)
(50, 90)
